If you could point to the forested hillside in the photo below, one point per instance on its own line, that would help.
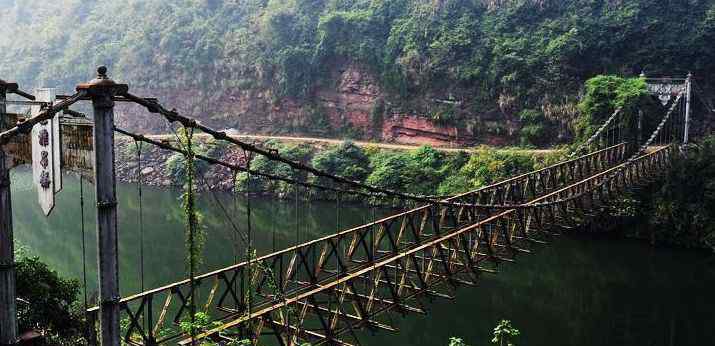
(478, 70)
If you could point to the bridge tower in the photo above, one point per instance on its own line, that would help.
(8, 305)
(101, 91)
(665, 89)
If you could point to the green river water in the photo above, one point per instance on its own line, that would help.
(579, 290)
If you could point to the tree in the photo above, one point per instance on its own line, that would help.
(48, 303)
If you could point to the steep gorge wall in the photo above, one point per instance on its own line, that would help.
(352, 107)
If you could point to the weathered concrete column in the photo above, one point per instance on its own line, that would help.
(101, 90)
(8, 307)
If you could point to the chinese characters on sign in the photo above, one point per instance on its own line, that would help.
(45, 154)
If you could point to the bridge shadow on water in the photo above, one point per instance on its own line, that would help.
(579, 290)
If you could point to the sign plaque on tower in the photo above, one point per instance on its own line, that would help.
(46, 160)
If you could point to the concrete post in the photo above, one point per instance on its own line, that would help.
(8, 304)
(102, 90)
(688, 94)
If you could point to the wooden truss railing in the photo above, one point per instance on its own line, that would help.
(268, 288)
(342, 298)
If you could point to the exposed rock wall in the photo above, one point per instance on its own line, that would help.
(155, 170)
(346, 109)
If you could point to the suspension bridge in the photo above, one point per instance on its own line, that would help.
(326, 290)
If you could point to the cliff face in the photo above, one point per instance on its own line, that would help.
(353, 106)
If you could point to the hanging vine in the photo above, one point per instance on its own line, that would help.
(254, 265)
(195, 236)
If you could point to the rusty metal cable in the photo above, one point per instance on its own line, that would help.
(214, 161)
(707, 102)
(138, 146)
(235, 167)
(173, 116)
(47, 114)
(597, 134)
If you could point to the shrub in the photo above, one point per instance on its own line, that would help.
(388, 170)
(605, 94)
(533, 131)
(346, 160)
(486, 167)
(49, 302)
(682, 208)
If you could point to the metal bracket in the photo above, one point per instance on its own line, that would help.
(111, 301)
(106, 204)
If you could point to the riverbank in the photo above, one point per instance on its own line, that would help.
(422, 170)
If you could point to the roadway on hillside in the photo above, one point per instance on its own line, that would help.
(392, 146)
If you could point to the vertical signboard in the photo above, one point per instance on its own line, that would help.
(44, 156)
(56, 150)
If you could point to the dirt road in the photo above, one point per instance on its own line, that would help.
(393, 146)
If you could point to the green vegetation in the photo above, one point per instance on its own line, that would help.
(49, 303)
(534, 130)
(176, 164)
(346, 160)
(681, 209)
(492, 56)
(301, 153)
(195, 232)
(425, 170)
(605, 94)
(504, 334)
(456, 342)
(485, 167)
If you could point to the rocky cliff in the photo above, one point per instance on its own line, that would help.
(354, 107)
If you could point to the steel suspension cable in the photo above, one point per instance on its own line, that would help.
(338, 268)
(138, 146)
(214, 161)
(224, 211)
(297, 218)
(234, 234)
(84, 248)
(250, 247)
(596, 134)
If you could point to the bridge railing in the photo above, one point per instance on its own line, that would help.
(570, 205)
(527, 186)
(355, 296)
(235, 290)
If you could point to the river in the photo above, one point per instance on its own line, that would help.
(579, 290)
